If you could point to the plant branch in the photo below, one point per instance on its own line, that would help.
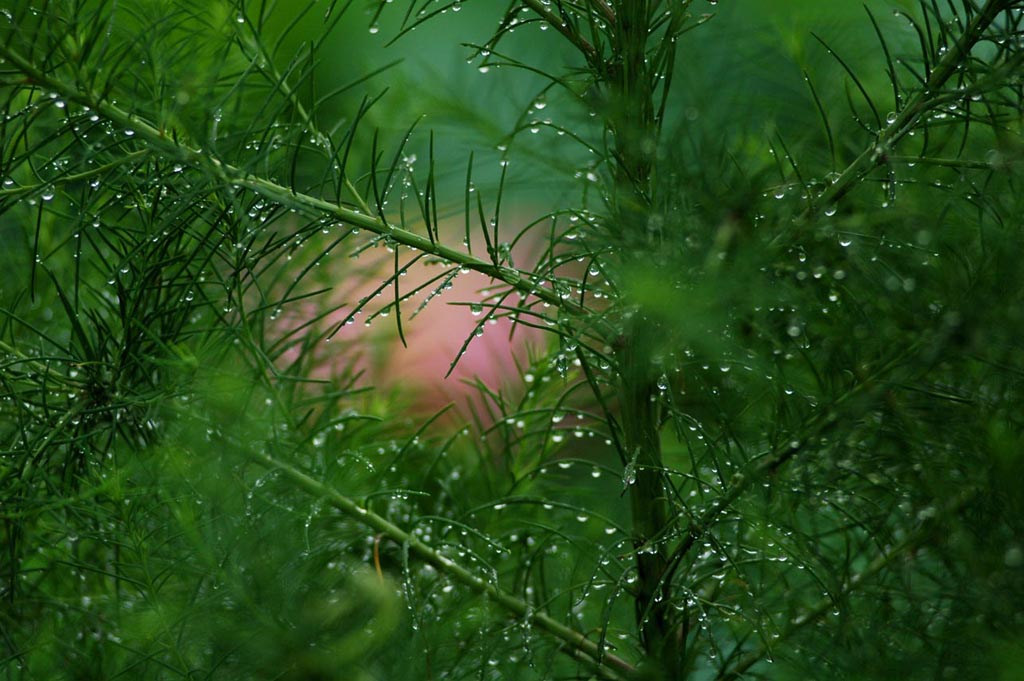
(589, 52)
(913, 540)
(743, 480)
(15, 192)
(916, 106)
(265, 64)
(170, 147)
(609, 666)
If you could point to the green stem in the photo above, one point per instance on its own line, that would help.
(924, 533)
(28, 189)
(265, 63)
(631, 117)
(312, 206)
(648, 499)
(918, 105)
(607, 665)
(567, 30)
(759, 468)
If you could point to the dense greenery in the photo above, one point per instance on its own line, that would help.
(764, 260)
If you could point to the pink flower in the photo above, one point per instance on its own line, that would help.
(435, 333)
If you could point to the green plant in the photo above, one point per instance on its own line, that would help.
(776, 432)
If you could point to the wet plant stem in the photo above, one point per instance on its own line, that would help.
(905, 549)
(919, 104)
(575, 644)
(167, 145)
(631, 118)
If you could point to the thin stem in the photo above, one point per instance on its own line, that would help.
(814, 614)
(917, 105)
(609, 666)
(589, 51)
(812, 431)
(265, 63)
(312, 206)
(14, 192)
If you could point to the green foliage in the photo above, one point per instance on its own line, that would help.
(774, 429)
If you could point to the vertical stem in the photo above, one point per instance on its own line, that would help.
(648, 500)
(631, 118)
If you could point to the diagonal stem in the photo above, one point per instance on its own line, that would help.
(589, 52)
(607, 665)
(919, 104)
(913, 540)
(178, 151)
(759, 468)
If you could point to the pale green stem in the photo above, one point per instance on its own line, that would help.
(917, 105)
(552, 19)
(309, 205)
(608, 665)
(265, 64)
(73, 177)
